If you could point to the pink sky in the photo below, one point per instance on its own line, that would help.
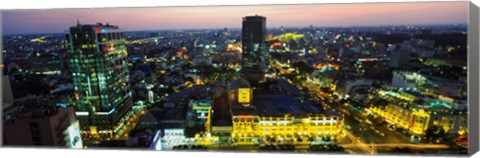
(363, 14)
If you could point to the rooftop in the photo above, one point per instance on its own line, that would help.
(97, 25)
(291, 89)
(279, 105)
(254, 18)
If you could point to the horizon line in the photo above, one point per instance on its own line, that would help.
(217, 28)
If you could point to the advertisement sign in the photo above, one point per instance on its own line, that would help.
(244, 95)
(72, 136)
(150, 96)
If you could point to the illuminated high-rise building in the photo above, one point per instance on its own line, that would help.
(99, 68)
(254, 55)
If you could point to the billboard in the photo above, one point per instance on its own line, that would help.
(244, 95)
(72, 136)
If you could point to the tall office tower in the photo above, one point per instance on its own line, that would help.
(254, 55)
(399, 58)
(99, 67)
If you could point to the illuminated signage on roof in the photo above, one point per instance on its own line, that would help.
(63, 105)
(244, 95)
(105, 113)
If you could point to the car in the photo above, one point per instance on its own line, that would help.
(391, 127)
(415, 139)
(368, 122)
(348, 127)
(382, 134)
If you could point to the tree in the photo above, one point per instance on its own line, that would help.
(232, 74)
(272, 139)
(303, 67)
(327, 139)
(189, 79)
(191, 131)
(187, 66)
(299, 139)
(435, 132)
(170, 90)
(311, 139)
(379, 103)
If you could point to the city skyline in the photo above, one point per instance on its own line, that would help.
(322, 89)
(170, 18)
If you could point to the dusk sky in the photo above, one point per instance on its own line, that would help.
(160, 18)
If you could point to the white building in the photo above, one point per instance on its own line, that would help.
(354, 88)
(407, 79)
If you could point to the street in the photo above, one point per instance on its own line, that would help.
(363, 135)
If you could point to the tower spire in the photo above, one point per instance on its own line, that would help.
(78, 21)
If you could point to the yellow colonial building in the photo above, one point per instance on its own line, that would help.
(270, 117)
(417, 118)
(287, 129)
(416, 121)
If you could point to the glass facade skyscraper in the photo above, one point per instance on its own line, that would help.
(99, 70)
(254, 54)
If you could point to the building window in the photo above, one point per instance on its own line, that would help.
(35, 131)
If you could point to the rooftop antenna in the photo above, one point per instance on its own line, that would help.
(78, 21)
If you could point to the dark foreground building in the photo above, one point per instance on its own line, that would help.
(43, 123)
